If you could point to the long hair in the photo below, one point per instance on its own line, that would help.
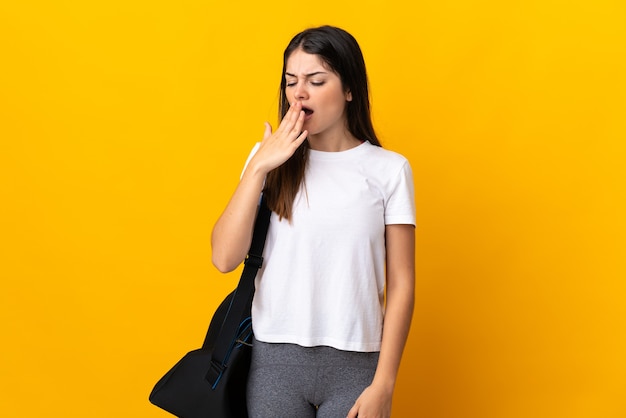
(342, 54)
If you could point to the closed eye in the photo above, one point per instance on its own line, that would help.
(313, 83)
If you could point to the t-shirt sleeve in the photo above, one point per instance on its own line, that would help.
(400, 203)
(254, 150)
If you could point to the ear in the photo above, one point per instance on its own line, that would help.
(348, 96)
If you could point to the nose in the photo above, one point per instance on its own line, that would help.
(299, 91)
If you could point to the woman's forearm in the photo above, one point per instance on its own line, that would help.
(398, 316)
(232, 233)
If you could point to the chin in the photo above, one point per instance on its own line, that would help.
(311, 130)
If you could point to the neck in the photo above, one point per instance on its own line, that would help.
(342, 141)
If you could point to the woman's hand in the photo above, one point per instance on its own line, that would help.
(374, 402)
(278, 147)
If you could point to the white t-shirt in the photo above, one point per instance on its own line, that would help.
(323, 275)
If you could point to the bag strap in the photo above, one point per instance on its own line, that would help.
(238, 311)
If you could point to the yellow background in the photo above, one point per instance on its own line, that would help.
(124, 127)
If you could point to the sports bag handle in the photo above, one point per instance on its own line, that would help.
(237, 315)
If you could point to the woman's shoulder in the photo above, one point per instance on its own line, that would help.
(386, 155)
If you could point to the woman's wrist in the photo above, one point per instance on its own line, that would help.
(384, 383)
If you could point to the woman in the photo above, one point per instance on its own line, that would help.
(341, 233)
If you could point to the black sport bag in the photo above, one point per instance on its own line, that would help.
(210, 382)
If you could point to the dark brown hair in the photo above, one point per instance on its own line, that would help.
(342, 54)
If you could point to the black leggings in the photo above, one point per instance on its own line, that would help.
(290, 381)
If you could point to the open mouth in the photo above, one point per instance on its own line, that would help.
(307, 111)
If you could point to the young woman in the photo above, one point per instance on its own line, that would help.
(339, 255)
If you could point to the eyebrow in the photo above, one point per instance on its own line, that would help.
(307, 75)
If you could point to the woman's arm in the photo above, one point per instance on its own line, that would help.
(232, 233)
(375, 401)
